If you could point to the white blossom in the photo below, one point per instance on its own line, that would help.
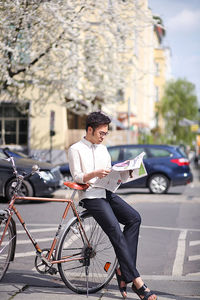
(76, 48)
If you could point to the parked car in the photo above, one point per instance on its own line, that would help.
(49, 180)
(166, 166)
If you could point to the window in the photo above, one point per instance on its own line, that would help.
(157, 70)
(157, 93)
(130, 153)
(75, 121)
(159, 152)
(13, 125)
(114, 153)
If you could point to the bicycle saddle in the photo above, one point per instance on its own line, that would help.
(76, 186)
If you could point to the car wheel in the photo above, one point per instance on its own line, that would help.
(25, 191)
(158, 184)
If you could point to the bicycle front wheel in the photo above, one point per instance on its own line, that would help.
(90, 269)
(7, 247)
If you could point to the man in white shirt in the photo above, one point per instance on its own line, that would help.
(88, 161)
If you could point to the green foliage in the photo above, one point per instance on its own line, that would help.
(152, 138)
(179, 102)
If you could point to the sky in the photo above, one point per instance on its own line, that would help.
(181, 19)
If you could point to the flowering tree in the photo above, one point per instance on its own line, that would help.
(73, 49)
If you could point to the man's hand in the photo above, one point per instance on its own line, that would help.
(98, 173)
(102, 172)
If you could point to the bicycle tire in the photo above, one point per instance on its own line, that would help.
(7, 248)
(102, 257)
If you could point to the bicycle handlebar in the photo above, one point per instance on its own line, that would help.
(35, 168)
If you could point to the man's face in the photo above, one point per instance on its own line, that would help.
(97, 136)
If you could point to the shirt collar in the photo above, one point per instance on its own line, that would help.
(88, 143)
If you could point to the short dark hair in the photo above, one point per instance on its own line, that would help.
(95, 119)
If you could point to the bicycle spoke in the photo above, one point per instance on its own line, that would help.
(7, 246)
(88, 272)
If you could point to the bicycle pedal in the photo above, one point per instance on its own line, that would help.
(52, 271)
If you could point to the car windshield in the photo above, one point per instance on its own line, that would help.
(20, 154)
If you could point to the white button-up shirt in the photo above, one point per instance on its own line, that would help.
(85, 157)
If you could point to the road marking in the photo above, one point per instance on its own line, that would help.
(38, 230)
(188, 277)
(23, 242)
(194, 274)
(142, 226)
(37, 225)
(180, 254)
(170, 228)
(31, 253)
(194, 257)
(67, 243)
(194, 243)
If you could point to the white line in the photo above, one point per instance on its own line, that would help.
(67, 243)
(23, 242)
(194, 243)
(170, 228)
(180, 254)
(194, 274)
(37, 225)
(38, 230)
(142, 226)
(194, 257)
(31, 253)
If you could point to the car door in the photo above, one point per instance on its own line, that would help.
(130, 152)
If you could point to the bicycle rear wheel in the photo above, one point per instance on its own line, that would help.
(7, 247)
(96, 268)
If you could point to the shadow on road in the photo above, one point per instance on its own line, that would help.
(145, 192)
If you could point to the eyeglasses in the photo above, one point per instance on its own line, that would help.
(102, 133)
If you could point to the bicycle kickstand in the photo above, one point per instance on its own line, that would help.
(87, 272)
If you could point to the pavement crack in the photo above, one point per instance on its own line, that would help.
(25, 287)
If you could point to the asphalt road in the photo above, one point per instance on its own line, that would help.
(168, 253)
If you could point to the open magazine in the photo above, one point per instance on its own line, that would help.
(123, 172)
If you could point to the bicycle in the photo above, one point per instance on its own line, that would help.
(81, 250)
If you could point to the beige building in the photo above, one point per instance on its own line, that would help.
(136, 111)
(162, 72)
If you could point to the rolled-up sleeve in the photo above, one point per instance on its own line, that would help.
(75, 165)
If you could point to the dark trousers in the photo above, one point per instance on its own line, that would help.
(109, 213)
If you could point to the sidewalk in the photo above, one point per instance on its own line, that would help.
(166, 289)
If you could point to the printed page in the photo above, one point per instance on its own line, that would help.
(129, 164)
(120, 173)
(110, 182)
(137, 173)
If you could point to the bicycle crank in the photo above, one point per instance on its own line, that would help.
(43, 265)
